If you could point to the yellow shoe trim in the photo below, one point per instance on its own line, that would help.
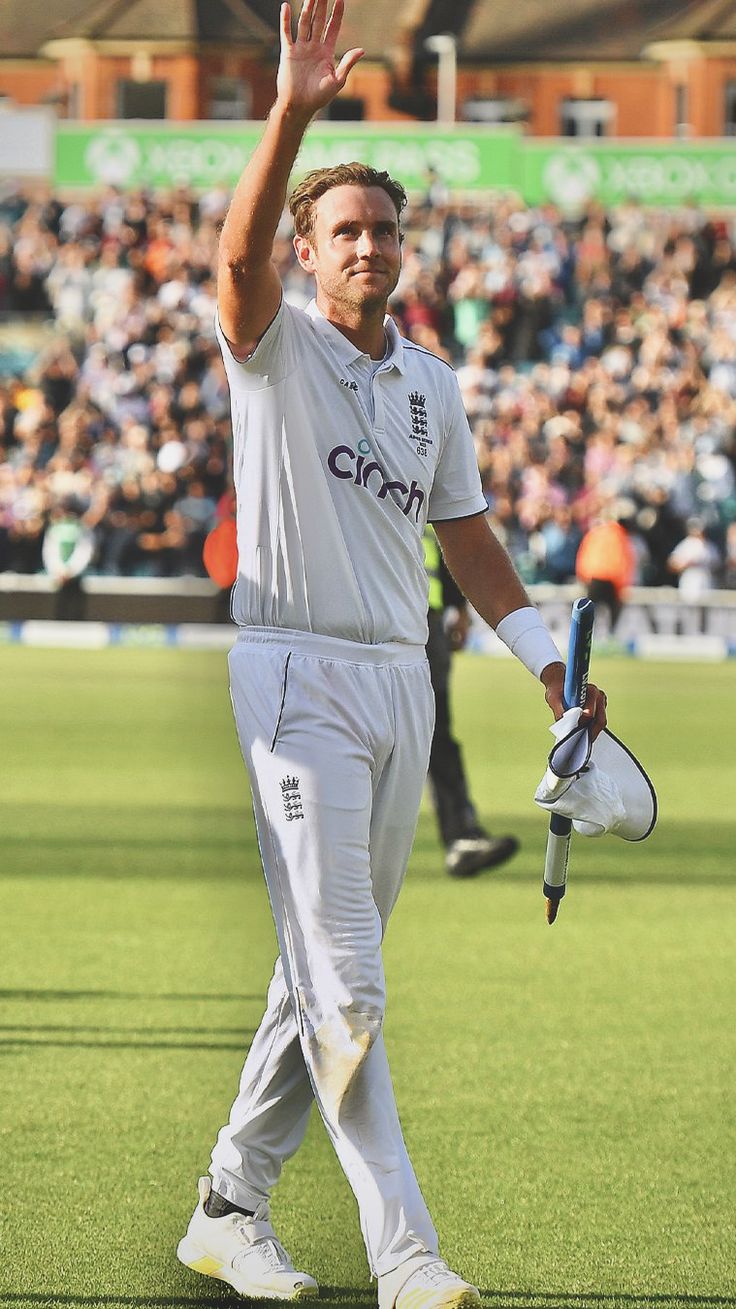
(461, 1298)
(207, 1265)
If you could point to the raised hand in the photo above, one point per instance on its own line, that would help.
(308, 78)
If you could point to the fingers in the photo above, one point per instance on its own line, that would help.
(556, 703)
(304, 26)
(313, 24)
(312, 20)
(347, 62)
(319, 20)
(553, 678)
(595, 709)
(595, 704)
(285, 29)
(335, 21)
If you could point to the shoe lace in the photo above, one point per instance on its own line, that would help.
(434, 1274)
(271, 1254)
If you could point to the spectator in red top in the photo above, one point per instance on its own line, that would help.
(606, 563)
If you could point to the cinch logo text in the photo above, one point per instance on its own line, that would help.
(361, 471)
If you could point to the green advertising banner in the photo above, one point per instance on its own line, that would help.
(204, 155)
(652, 172)
(467, 158)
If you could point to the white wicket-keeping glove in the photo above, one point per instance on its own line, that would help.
(602, 787)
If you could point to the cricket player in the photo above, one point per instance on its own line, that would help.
(347, 439)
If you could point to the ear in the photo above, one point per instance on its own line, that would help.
(304, 253)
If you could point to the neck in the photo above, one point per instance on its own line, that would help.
(362, 326)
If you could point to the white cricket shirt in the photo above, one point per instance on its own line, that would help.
(336, 472)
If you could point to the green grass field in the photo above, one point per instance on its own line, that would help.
(567, 1093)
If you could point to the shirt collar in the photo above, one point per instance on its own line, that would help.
(347, 352)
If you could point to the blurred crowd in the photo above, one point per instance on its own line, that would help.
(596, 357)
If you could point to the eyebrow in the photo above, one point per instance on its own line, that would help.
(388, 223)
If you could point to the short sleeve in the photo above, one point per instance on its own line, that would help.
(456, 490)
(276, 354)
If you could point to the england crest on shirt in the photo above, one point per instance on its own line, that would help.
(419, 421)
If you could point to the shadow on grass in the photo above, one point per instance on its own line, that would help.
(139, 842)
(22, 1298)
(551, 1299)
(150, 846)
(140, 1030)
(601, 1299)
(18, 1042)
(366, 1299)
(22, 993)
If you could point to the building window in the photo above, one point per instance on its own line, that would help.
(345, 109)
(230, 98)
(586, 117)
(729, 118)
(495, 110)
(141, 99)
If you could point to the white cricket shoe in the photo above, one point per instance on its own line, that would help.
(435, 1286)
(244, 1252)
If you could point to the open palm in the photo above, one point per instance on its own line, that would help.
(308, 77)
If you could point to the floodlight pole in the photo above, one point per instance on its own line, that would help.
(445, 47)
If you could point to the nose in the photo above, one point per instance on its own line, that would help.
(367, 244)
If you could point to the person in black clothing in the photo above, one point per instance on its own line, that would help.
(469, 848)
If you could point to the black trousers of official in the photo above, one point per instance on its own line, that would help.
(456, 814)
(70, 601)
(604, 593)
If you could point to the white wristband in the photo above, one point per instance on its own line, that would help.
(527, 637)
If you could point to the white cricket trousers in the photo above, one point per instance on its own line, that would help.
(335, 736)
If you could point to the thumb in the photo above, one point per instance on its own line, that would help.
(555, 702)
(347, 62)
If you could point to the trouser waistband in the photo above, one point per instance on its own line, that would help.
(333, 647)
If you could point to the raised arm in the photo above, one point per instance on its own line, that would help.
(248, 287)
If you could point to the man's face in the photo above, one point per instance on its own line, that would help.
(354, 251)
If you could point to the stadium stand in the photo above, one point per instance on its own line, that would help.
(596, 357)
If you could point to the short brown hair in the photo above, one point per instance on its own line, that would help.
(320, 180)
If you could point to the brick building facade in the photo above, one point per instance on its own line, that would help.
(578, 67)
